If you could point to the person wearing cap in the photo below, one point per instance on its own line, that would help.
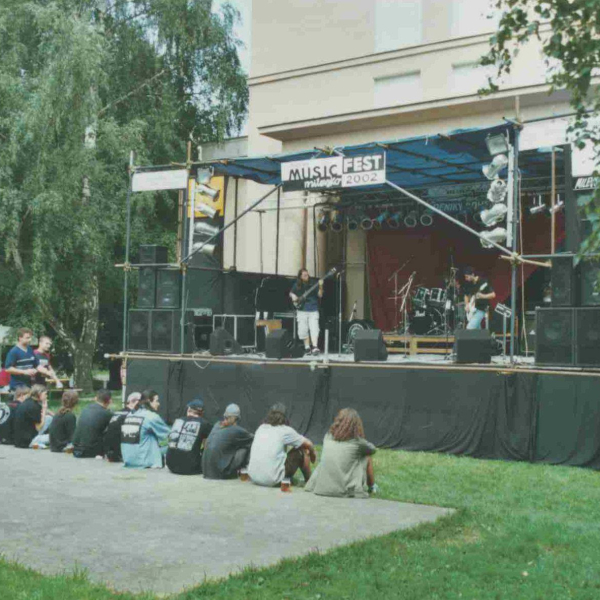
(186, 439)
(144, 435)
(270, 460)
(227, 449)
(112, 434)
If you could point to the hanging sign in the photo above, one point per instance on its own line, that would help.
(334, 172)
(586, 183)
(173, 179)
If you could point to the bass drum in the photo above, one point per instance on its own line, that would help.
(353, 328)
(427, 321)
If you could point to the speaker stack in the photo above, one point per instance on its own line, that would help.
(568, 334)
(369, 345)
(155, 325)
(280, 344)
(473, 346)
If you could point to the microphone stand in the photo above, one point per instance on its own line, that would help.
(394, 276)
(404, 292)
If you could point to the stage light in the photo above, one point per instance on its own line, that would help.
(497, 235)
(366, 223)
(208, 249)
(381, 218)
(410, 220)
(205, 228)
(497, 192)
(208, 210)
(207, 191)
(337, 222)
(497, 144)
(537, 208)
(426, 218)
(491, 171)
(204, 175)
(491, 216)
(557, 207)
(323, 221)
(394, 221)
(352, 223)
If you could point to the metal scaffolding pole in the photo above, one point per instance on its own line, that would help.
(127, 249)
(515, 229)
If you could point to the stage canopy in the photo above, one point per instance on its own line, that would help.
(452, 158)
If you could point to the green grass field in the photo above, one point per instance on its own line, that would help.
(521, 532)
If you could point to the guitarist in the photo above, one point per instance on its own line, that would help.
(308, 313)
(478, 292)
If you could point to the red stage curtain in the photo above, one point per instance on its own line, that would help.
(429, 251)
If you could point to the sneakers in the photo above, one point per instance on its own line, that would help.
(307, 351)
(315, 351)
(39, 447)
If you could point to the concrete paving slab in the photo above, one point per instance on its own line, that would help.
(150, 530)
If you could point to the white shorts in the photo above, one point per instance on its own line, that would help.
(308, 325)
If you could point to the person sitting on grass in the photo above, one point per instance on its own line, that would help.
(269, 463)
(93, 420)
(227, 449)
(32, 420)
(63, 425)
(143, 435)
(7, 415)
(186, 440)
(112, 435)
(346, 466)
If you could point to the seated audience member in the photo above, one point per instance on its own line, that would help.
(143, 434)
(227, 449)
(346, 466)
(63, 425)
(112, 435)
(45, 370)
(32, 420)
(187, 437)
(269, 464)
(21, 362)
(93, 420)
(7, 415)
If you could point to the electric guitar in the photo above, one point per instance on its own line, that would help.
(470, 308)
(298, 304)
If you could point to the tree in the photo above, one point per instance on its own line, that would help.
(569, 33)
(83, 82)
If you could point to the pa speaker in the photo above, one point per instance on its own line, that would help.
(153, 255)
(280, 344)
(589, 274)
(369, 345)
(564, 281)
(587, 331)
(222, 343)
(160, 331)
(554, 336)
(473, 346)
(146, 288)
(168, 288)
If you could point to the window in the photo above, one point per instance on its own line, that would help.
(404, 88)
(397, 24)
(472, 17)
(468, 77)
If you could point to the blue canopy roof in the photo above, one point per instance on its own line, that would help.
(456, 157)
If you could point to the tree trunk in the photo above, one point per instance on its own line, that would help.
(85, 347)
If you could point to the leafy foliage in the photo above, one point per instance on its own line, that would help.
(82, 83)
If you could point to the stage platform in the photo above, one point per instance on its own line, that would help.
(426, 402)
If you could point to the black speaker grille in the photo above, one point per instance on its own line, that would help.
(588, 336)
(554, 336)
(153, 255)
(563, 282)
(139, 330)
(162, 337)
(146, 288)
(168, 289)
(590, 291)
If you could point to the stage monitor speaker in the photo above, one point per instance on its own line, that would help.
(160, 331)
(554, 336)
(146, 288)
(587, 321)
(369, 345)
(589, 274)
(222, 343)
(473, 346)
(168, 288)
(280, 344)
(153, 255)
(564, 281)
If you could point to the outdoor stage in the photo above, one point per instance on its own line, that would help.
(422, 403)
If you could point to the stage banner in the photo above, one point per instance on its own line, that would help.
(151, 181)
(333, 172)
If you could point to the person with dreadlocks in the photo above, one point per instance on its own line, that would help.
(346, 467)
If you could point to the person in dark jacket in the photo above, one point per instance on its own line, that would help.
(32, 420)
(63, 425)
(94, 418)
(7, 414)
(112, 435)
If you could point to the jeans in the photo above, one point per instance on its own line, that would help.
(43, 437)
(476, 319)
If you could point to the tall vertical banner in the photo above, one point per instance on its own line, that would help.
(318, 174)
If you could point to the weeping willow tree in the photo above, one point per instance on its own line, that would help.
(82, 83)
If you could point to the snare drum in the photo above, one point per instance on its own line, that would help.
(437, 297)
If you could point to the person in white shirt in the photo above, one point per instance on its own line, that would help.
(270, 463)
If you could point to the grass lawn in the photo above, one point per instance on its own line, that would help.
(521, 532)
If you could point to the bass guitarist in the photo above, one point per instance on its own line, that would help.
(477, 292)
(308, 313)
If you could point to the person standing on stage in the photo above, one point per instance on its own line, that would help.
(308, 313)
(477, 293)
